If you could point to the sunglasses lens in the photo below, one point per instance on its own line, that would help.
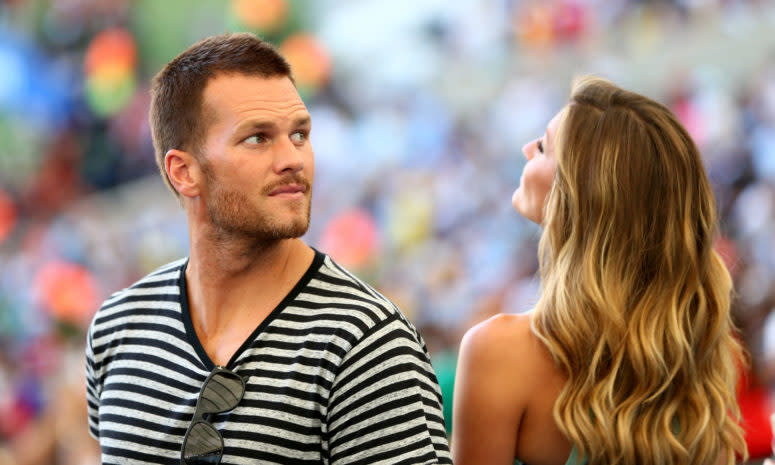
(222, 393)
(202, 445)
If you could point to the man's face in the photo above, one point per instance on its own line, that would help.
(257, 160)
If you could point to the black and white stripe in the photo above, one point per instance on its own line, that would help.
(335, 375)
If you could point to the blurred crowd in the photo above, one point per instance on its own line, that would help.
(420, 110)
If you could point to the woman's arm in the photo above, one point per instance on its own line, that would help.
(488, 399)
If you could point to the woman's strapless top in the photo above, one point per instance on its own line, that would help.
(573, 459)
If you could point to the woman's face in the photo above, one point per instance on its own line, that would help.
(537, 176)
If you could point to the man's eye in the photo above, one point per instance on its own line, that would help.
(255, 139)
(299, 136)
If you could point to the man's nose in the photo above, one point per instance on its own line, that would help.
(288, 156)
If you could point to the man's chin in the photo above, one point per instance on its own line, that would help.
(293, 230)
(263, 233)
(296, 233)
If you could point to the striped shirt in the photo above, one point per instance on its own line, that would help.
(334, 375)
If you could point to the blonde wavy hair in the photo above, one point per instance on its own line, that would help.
(635, 304)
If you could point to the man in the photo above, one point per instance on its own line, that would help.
(256, 348)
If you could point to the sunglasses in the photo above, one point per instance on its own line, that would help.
(203, 444)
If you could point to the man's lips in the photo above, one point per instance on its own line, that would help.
(289, 189)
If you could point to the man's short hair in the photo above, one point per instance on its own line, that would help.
(178, 118)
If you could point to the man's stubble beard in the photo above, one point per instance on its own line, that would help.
(232, 214)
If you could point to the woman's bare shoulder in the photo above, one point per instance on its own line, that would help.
(501, 329)
(505, 341)
(488, 402)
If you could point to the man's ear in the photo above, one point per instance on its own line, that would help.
(182, 169)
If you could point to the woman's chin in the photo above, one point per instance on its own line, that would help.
(515, 200)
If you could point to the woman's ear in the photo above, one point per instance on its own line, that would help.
(182, 169)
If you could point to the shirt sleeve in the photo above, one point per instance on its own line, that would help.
(93, 388)
(385, 404)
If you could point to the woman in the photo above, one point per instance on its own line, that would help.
(629, 355)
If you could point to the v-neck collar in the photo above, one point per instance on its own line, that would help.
(207, 362)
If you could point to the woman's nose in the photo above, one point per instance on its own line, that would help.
(529, 149)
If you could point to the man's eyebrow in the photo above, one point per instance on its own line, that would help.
(302, 121)
(269, 125)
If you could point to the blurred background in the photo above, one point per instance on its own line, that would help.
(420, 110)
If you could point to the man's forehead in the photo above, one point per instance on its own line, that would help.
(238, 93)
(275, 88)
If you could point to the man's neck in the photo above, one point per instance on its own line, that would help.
(233, 287)
(223, 261)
